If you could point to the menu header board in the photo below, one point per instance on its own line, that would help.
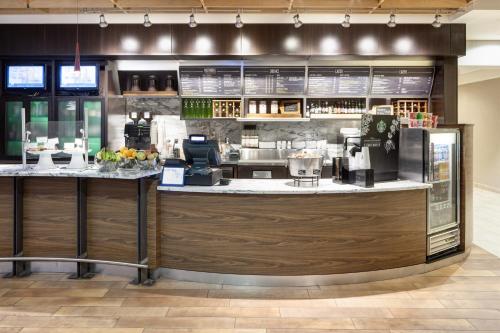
(210, 81)
(407, 81)
(274, 80)
(338, 81)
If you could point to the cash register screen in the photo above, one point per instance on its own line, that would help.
(197, 146)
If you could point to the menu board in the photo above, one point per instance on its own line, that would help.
(274, 80)
(210, 81)
(338, 81)
(407, 81)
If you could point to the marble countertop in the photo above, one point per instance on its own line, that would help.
(16, 170)
(285, 186)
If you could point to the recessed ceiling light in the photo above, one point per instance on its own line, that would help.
(147, 22)
(392, 20)
(239, 23)
(102, 21)
(192, 21)
(297, 23)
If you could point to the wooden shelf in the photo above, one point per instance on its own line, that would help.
(150, 94)
(346, 116)
(272, 120)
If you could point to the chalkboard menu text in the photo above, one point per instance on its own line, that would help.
(274, 80)
(338, 81)
(407, 81)
(210, 81)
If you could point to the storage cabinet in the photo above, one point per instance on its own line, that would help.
(37, 112)
(69, 110)
(262, 172)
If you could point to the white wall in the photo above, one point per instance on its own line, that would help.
(479, 104)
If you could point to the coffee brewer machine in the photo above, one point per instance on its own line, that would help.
(138, 132)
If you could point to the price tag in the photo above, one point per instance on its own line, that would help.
(172, 176)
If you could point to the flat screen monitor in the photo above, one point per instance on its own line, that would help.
(25, 77)
(86, 79)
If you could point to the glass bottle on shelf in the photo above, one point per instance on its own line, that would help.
(216, 109)
(230, 110)
(237, 106)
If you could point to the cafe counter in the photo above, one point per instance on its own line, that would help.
(84, 217)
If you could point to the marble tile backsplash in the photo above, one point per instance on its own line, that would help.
(167, 113)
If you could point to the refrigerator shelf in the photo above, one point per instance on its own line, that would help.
(439, 181)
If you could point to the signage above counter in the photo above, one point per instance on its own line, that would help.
(338, 81)
(272, 81)
(402, 81)
(210, 81)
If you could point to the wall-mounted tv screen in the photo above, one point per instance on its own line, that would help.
(25, 77)
(86, 79)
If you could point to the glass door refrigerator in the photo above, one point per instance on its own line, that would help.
(37, 112)
(73, 109)
(433, 156)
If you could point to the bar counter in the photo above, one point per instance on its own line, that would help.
(85, 217)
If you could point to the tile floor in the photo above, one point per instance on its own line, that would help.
(460, 298)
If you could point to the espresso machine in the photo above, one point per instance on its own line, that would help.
(138, 131)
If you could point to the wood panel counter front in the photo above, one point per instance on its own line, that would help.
(292, 234)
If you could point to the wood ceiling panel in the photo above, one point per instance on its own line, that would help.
(175, 4)
(12, 3)
(253, 4)
(51, 4)
(424, 4)
(335, 4)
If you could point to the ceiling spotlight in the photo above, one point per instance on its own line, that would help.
(392, 20)
(102, 21)
(297, 23)
(192, 21)
(239, 23)
(437, 21)
(147, 22)
(346, 23)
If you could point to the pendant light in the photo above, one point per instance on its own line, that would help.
(192, 21)
(239, 23)
(102, 21)
(346, 23)
(76, 67)
(392, 20)
(297, 23)
(437, 21)
(147, 22)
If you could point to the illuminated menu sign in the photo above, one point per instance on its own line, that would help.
(274, 80)
(210, 81)
(407, 81)
(338, 81)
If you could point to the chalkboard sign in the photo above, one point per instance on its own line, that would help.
(407, 81)
(338, 81)
(274, 80)
(210, 81)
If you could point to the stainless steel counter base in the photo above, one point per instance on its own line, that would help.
(309, 280)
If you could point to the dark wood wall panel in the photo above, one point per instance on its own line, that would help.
(6, 216)
(224, 40)
(112, 220)
(293, 234)
(49, 217)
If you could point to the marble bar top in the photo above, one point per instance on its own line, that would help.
(285, 186)
(16, 170)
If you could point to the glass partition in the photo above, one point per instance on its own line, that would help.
(93, 109)
(13, 128)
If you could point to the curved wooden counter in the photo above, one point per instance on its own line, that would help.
(277, 230)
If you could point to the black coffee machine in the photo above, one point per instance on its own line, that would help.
(138, 132)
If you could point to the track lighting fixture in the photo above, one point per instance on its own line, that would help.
(437, 21)
(346, 23)
(102, 21)
(239, 23)
(147, 22)
(192, 21)
(297, 23)
(392, 20)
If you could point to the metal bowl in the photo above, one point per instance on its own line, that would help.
(305, 166)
